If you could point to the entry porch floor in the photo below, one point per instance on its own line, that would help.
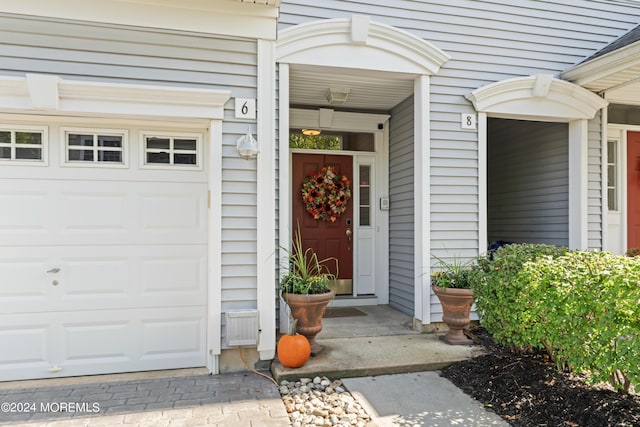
(379, 342)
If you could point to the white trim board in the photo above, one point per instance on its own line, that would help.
(340, 120)
(284, 192)
(53, 95)
(266, 205)
(422, 199)
(224, 17)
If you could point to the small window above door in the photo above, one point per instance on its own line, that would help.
(316, 139)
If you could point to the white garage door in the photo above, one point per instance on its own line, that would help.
(103, 250)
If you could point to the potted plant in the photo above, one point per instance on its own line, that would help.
(305, 289)
(452, 284)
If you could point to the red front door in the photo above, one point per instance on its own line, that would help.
(633, 190)
(328, 239)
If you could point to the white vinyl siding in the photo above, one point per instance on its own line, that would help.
(92, 51)
(401, 212)
(528, 182)
(594, 221)
(488, 41)
(122, 54)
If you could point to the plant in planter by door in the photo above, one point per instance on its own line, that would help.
(305, 289)
(452, 284)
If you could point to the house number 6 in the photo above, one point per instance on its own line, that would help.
(245, 108)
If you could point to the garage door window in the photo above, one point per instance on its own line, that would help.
(26, 145)
(176, 151)
(107, 148)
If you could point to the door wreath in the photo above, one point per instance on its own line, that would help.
(325, 194)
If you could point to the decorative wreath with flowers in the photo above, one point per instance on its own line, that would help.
(325, 194)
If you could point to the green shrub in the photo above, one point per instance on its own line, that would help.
(498, 291)
(585, 308)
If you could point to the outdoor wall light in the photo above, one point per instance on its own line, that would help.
(338, 95)
(311, 132)
(247, 146)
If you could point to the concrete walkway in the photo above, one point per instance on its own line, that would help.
(419, 399)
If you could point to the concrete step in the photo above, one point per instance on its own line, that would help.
(381, 355)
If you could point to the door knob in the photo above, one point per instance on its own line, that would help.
(349, 233)
(54, 270)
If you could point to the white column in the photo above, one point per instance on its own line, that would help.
(214, 297)
(284, 189)
(422, 200)
(482, 184)
(604, 176)
(266, 206)
(578, 182)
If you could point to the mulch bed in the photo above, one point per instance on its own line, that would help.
(527, 390)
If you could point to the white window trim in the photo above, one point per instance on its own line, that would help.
(64, 148)
(617, 140)
(44, 130)
(186, 135)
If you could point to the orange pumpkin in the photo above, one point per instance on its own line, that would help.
(293, 349)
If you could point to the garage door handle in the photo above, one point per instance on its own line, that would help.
(54, 270)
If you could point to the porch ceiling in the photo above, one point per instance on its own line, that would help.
(369, 90)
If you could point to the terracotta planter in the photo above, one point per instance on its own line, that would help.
(309, 309)
(456, 307)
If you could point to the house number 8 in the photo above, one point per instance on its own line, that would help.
(468, 121)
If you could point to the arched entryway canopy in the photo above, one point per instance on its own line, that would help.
(382, 66)
(540, 97)
(359, 43)
(543, 98)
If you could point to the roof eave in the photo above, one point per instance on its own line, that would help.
(588, 73)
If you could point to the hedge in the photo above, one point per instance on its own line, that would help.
(582, 307)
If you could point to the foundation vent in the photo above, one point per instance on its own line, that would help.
(242, 327)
